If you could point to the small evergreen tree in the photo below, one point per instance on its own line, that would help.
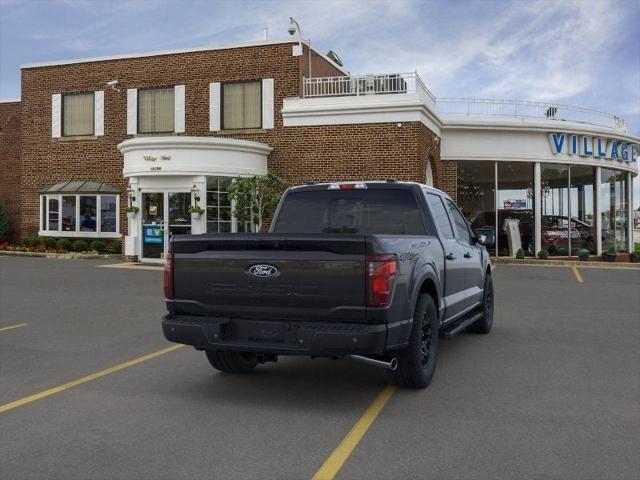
(4, 222)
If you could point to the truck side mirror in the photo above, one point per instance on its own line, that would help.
(486, 236)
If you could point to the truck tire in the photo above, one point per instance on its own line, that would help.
(232, 362)
(417, 362)
(484, 323)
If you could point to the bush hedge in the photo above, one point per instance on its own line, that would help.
(98, 245)
(115, 247)
(543, 254)
(79, 246)
(64, 244)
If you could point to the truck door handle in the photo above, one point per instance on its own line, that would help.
(467, 255)
(450, 257)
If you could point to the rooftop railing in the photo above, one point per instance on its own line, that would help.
(357, 85)
(402, 83)
(528, 109)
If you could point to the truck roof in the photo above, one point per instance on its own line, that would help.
(391, 183)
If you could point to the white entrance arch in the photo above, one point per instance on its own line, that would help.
(167, 174)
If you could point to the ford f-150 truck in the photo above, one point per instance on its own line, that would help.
(372, 271)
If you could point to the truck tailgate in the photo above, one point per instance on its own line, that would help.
(271, 276)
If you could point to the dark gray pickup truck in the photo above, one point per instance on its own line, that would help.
(372, 271)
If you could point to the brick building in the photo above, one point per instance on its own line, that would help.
(160, 131)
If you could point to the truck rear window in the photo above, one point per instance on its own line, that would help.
(370, 211)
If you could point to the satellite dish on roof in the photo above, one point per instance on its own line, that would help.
(333, 56)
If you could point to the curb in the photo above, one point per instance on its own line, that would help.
(63, 256)
(564, 263)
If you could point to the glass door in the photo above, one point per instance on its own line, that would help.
(163, 214)
(179, 217)
(153, 226)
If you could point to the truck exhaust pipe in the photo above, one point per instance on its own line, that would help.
(390, 365)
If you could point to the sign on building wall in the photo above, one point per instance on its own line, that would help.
(152, 235)
(590, 146)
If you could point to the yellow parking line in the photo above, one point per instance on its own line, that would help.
(74, 383)
(577, 274)
(334, 463)
(11, 327)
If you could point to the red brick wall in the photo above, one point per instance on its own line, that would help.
(10, 162)
(339, 152)
(319, 66)
(47, 160)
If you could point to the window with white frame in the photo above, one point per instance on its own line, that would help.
(220, 209)
(79, 215)
(242, 105)
(78, 114)
(156, 110)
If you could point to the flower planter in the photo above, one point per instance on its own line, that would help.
(610, 257)
(195, 216)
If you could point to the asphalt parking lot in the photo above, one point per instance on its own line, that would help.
(552, 392)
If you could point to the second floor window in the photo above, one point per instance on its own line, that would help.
(77, 114)
(242, 105)
(156, 110)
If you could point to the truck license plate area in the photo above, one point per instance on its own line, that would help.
(266, 332)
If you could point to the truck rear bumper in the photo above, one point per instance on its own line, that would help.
(281, 338)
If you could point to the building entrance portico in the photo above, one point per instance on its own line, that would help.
(169, 174)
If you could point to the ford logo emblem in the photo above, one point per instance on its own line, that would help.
(263, 271)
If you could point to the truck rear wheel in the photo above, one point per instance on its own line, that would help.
(232, 362)
(484, 323)
(417, 362)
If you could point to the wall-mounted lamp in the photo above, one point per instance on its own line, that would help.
(194, 192)
(132, 197)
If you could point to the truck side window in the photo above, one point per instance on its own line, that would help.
(460, 222)
(440, 216)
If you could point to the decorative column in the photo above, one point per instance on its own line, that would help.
(537, 206)
(630, 212)
(598, 212)
(199, 198)
(131, 244)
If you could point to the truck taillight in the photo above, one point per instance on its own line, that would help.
(381, 272)
(168, 277)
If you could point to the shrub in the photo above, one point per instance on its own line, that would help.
(29, 242)
(79, 246)
(634, 257)
(583, 256)
(48, 242)
(611, 250)
(520, 253)
(64, 244)
(543, 254)
(115, 247)
(98, 245)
